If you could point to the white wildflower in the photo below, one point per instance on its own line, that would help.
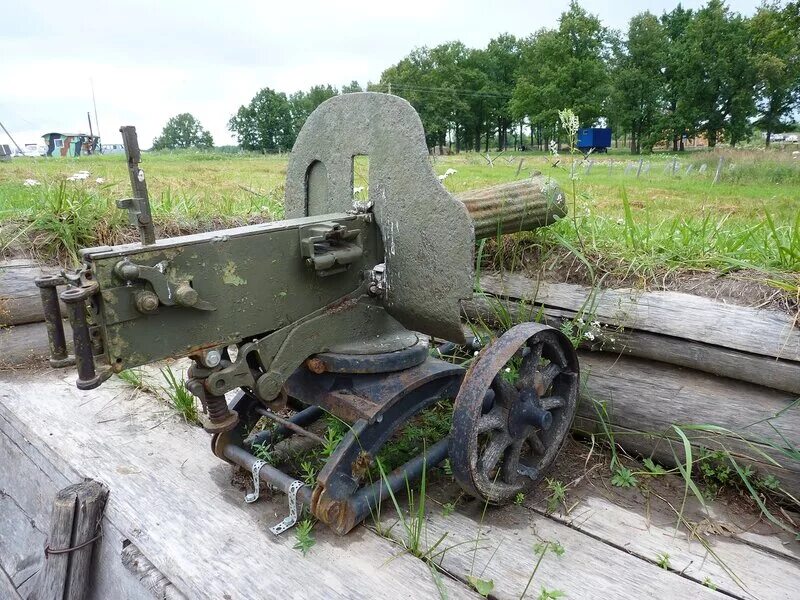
(442, 177)
(620, 222)
(569, 121)
(588, 335)
(595, 324)
(30, 183)
(581, 321)
(553, 147)
(475, 353)
(100, 180)
(450, 172)
(507, 369)
(358, 189)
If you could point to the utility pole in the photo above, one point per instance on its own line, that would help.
(390, 87)
(9, 136)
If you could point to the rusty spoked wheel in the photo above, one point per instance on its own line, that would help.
(513, 412)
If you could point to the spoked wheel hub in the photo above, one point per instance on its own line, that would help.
(513, 412)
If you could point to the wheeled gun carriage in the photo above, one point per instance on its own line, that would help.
(332, 311)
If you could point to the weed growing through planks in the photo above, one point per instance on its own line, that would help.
(545, 594)
(132, 377)
(180, 398)
(653, 468)
(709, 584)
(557, 496)
(309, 473)
(662, 560)
(448, 509)
(304, 540)
(519, 498)
(539, 550)
(263, 452)
(623, 477)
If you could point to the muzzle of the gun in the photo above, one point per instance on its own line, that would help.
(512, 207)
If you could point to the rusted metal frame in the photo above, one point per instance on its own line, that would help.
(48, 289)
(340, 500)
(265, 412)
(305, 417)
(267, 473)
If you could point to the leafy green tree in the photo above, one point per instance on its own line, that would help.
(183, 131)
(352, 87)
(266, 123)
(639, 88)
(775, 36)
(567, 67)
(677, 120)
(719, 77)
(304, 103)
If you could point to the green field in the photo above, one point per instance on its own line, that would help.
(641, 229)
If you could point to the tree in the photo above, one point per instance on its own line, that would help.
(303, 104)
(775, 35)
(677, 120)
(352, 88)
(266, 123)
(183, 131)
(719, 77)
(565, 68)
(638, 83)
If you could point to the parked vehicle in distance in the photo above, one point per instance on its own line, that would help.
(594, 139)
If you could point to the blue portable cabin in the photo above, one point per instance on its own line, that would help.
(597, 139)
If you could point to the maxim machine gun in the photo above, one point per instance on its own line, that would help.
(331, 311)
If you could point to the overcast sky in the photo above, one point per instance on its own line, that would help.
(150, 60)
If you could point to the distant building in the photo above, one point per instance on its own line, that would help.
(70, 144)
(112, 148)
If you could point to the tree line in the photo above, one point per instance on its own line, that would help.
(709, 72)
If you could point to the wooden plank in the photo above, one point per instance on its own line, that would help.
(681, 396)
(766, 332)
(27, 344)
(30, 479)
(647, 532)
(7, 589)
(53, 580)
(762, 370)
(171, 493)
(501, 546)
(20, 301)
(664, 446)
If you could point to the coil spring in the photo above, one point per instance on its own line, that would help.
(217, 408)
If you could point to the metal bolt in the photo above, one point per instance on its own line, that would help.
(146, 302)
(186, 295)
(212, 358)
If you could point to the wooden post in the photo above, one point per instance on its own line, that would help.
(141, 208)
(719, 170)
(74, 528)
(519, 166)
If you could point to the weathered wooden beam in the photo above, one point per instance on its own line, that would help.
(649, 397)
(74, 529)
(770, 372)
(757, 331)
(27, 344)
(19, 297)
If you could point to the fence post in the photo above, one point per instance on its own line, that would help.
(719, 170)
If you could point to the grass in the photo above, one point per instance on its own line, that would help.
(635, 228)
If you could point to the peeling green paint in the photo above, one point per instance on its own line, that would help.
(230, 277)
